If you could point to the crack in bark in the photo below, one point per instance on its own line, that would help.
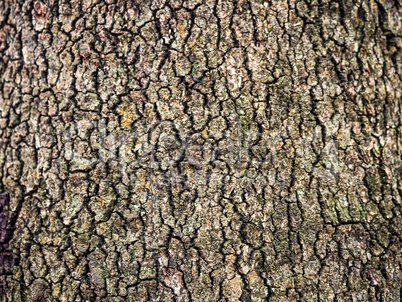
(174, 150)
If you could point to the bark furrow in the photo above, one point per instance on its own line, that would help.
(201, 150)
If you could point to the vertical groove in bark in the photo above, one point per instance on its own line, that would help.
(202, 150)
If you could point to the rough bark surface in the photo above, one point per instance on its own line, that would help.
(6, 259)
(202, 150)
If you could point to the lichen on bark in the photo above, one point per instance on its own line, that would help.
(215, 150)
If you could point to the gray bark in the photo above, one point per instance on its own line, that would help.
(201, 150)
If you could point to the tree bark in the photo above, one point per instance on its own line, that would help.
(210, 150)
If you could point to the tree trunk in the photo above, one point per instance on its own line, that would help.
(210, 150)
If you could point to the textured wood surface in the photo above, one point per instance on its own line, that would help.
(202, 150)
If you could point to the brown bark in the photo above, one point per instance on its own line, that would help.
(202, 150)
